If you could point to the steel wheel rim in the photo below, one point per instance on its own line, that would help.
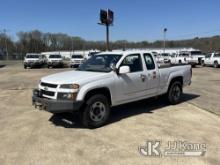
(176, 92)
(97, 111)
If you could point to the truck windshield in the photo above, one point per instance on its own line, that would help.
(77, 56)
(32, 56)
(196, 52)
(55, 56)
(100, 63)
(184, 55)
(165, 54)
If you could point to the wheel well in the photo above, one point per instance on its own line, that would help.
(179, 78)
(105, 91)
(215, 61)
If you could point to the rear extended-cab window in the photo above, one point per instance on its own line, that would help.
(149, 61)
(217, 55)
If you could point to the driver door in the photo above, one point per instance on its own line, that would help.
(132, 86)
(208, 59)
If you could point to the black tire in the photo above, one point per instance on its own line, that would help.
(96, 111)
(174, 92)
(216, 64)
(180, 62)
(25, 67)
(202, 63)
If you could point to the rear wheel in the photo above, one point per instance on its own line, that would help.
(180, 62)
(193, 65)
(174, 93)
(25, 67)
(216, 64)
(96, 111)
(203, 63)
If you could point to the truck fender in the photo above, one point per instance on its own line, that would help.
(91, 87)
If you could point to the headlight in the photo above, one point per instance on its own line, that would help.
(67, 96)
(69, 86)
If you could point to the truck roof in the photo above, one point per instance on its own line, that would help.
(121, 52)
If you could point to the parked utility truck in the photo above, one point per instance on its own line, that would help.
(76, 60)
(109, 79)
(32, 60)
(184, 58)
(55, 60)
(212, 59)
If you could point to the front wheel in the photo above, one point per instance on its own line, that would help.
(215, 64)
(174, 93)
(96, 111)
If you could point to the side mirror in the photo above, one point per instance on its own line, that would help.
(124, 70)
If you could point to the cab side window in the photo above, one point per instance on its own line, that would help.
(209, 55)
(216, 55)
(134, 62)
(149, 61)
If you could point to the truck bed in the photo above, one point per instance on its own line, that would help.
(169, 65)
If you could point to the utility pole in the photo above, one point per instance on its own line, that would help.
(107, 37)
(106, 19)
(72, 43)
(164, 39)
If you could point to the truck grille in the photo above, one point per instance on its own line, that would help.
(48, 93)
(48, 85)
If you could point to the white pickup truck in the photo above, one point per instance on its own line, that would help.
(163, 58)
(196, 55)
(184, 58)
(33, 60)
(212, 59)
(109, 79)
(76, 60)
(55, 60)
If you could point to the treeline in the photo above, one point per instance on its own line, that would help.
(37, 41)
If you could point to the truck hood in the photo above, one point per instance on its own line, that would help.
(31, 59)
(198, 56)
(78, 59)
(55, 59)
(70, 77)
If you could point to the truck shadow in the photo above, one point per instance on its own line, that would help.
(118, 113)
(2, 66)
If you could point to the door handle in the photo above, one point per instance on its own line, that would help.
(143, 77)
(154, 74)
